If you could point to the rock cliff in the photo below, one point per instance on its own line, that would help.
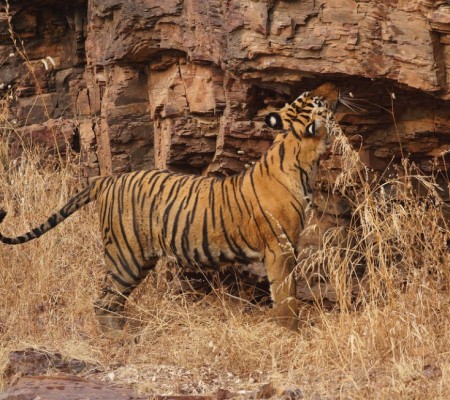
(186, 84)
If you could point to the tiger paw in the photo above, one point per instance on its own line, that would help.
(286, 313)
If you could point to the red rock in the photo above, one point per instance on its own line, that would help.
(65, 388)
(31, 362)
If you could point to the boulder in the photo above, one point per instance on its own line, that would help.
(65, 388)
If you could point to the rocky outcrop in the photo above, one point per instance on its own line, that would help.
(185, 84)
(213, 67)
(23, 376)
(65, 387)
(72, 387)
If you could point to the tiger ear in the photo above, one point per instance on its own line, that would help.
(273, 120)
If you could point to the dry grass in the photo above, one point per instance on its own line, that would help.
(389, 341)
(392, 341)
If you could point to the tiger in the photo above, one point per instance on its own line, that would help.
(208, 222)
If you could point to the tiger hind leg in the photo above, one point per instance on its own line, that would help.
(109, 307)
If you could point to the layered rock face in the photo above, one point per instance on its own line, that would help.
(186, 84)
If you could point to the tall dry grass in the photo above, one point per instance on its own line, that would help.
(389, 340)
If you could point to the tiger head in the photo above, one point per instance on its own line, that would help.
(311, 115)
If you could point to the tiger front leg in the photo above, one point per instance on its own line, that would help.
(279, 267)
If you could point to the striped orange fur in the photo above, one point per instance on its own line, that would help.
(206, 221)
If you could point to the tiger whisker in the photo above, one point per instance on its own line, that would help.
(351, 105)
(353, 99)
(376, 105)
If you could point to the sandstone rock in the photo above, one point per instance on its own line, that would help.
(252, 41)
(203, 68)
(67, 388)
(56, 135)
(36, 362)
(71, 387)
